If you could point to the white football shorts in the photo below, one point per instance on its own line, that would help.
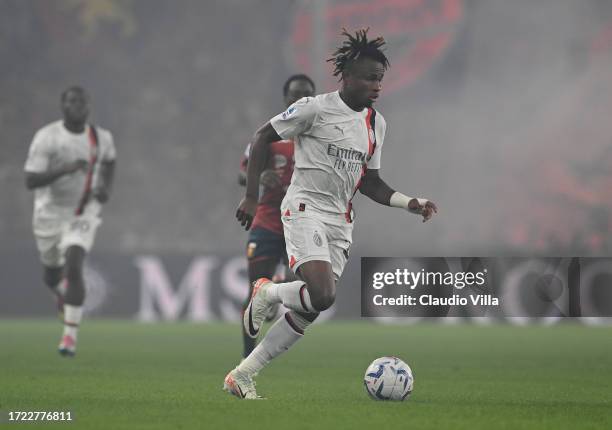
(311, 235)
(56, 231)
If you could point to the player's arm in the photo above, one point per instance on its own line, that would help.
(295, 120)
(269, 178)
(42, 179)
(38, 170)
(256, 165)
(244, 162)
(107, 175)
(373, 186)
(242, 179)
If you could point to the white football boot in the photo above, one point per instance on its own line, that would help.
(258, 308)
(240, 385)
(67, 346)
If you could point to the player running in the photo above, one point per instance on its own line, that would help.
(266, 243)
(338, 140)
(70, 166)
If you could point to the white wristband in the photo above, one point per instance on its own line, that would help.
(399, 200)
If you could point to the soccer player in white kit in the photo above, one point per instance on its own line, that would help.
(70, 166)
(338, 140)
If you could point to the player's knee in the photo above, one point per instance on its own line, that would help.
(324, 300)
(308, 316)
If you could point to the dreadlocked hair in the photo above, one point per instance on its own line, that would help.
(356, 47)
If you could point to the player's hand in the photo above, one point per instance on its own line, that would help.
(429, 209)
(75, 166)
(246, 212)
(270, 179)
(426, 210)
(101, 194)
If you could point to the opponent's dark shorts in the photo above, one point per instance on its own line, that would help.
(264, 244)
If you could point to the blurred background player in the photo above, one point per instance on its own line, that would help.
(70, 166)
(266, 242)
(338, 142)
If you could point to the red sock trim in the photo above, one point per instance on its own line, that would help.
(292, 324)
(302, 300)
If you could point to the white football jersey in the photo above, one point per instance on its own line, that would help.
(53, 146)
(333, 145)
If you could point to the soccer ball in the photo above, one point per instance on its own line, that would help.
(388, 378)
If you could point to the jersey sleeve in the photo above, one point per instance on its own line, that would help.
(297, 119)
(381, 129)
(38, 154)
(110, 152)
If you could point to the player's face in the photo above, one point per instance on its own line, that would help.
(297, 89)
(364, 81)
(75, 106)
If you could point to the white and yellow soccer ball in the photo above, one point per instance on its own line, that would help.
(388, 378)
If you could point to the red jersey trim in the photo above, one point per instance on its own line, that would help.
(93, 158)
(370, 120)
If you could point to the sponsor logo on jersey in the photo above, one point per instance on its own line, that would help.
(345, 153)
(347, 159)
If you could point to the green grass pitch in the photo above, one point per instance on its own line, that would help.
(168, 376)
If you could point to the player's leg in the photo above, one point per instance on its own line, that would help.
(283, 334)
(75, 258)
(308, 250)
(73, 299)
(53, 276)
(77, 240)
(289, 329)
(320, 277)
(47, 233)
(264, 250)
(282, 273)
(313, 293)
(316, 290)
(289, 275)
(258, 267)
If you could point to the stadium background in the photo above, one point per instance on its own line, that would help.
(499, 111)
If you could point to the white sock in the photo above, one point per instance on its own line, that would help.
(294, 295)
(280, 337)
(72, 319)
